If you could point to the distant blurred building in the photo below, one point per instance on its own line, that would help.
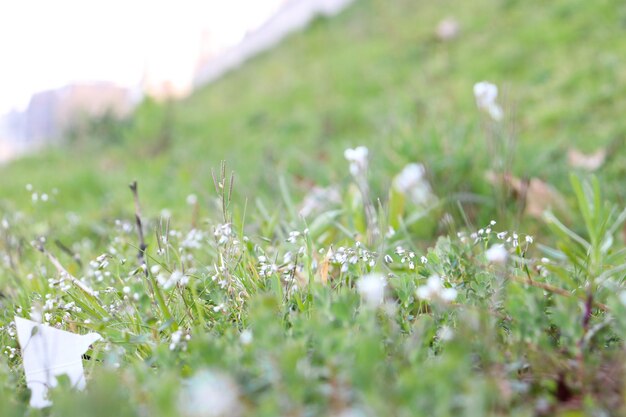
(52, 112)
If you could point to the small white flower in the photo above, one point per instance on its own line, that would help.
(529, 239)
(357, 158)
(413, 183)
(445, 333)
(447, 29)
(173, 279)
(434, 290)
(486, 94)
(497, 254)
(372, 289)
(192, 199)
(246, 337)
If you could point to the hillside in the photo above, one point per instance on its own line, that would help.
(398, 241)
(375, 76)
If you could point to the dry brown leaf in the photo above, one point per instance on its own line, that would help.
(591, 162)
(538, 195)
(541, 196)
(323, 271)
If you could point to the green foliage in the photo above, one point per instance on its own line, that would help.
(241, 302)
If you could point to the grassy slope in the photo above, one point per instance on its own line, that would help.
(373, 76)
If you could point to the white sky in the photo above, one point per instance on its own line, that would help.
(50, 43)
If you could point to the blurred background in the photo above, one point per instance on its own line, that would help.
(69, 59)
(96, 94)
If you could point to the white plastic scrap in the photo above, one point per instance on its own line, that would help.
(48, 352)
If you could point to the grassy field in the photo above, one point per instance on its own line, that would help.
(383, 298)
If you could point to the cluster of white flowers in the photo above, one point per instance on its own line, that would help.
(434, 290)
(294, 236)
(371, 287)
(266, 267)
(406, 257)
(175, 278)
(219, 275)
(541, 267)
(9, 329)
(223, 233)
(124, 226)
(487, 233)
(179, 339)
(98, 268)
(39, 196)
(412, 182)
(357, 158)
(346, 256)
(193, 239)
(318, 199)
(486, 94)
(10, 351)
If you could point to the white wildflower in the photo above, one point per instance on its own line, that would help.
(412, 182)
(372, 289)
(318, 199)
(497, 254)
(447, 29)
(357, 158)
(445, 333)
(193, 239)
(175, 278)
(246, 337)
(192, 199)
(223, 233)
(434, 290)
(486, 94)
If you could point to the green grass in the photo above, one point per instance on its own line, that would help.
(528, 337)
(374, 76)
